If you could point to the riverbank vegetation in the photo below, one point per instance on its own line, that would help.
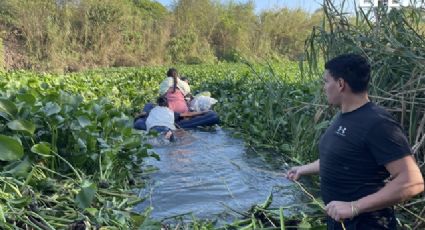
(76, 35)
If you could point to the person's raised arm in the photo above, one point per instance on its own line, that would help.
(296, 172)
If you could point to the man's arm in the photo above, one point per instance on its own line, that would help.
(406, 182)
(296, 172)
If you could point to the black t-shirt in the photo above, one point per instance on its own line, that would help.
(354, 151)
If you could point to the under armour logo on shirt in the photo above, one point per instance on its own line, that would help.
(341, 131)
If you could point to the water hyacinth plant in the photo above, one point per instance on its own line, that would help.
(58, 152)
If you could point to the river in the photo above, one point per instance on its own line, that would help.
(211, 175)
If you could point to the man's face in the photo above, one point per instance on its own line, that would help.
(332, 88)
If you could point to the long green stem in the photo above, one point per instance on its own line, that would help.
(70, 165)
(282, 219)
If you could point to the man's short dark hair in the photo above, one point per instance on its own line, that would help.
(162, 101)
(353, 68)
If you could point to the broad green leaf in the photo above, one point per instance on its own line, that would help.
(58, 119)
(44, 85)
(42, 149)
(27, 97)
(97, 109)
(21, 169)
(22, 125)
(304, 224)
(8, 107)
(51, 108)
(92, 211)
(74, 100)
(84, 121)
(102, 142)
(10, 149)
(32, 83)
(86, 195)
(137, 219)
(132, 143)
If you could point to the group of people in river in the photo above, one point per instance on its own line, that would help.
(172, 109)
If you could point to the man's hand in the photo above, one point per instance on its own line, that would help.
(294, 173)
(339, 210)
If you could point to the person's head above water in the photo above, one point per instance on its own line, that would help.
(162, 101)
(185, 79)
(172, 72)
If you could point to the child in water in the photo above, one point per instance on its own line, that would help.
(161, 119)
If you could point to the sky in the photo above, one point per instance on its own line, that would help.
(260, 5)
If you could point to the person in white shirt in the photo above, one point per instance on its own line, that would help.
(161, 119)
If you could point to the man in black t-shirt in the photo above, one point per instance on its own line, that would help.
(362, 148)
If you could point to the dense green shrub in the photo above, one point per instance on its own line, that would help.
(76, 35)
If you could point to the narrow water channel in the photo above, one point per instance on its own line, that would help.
(209, 173)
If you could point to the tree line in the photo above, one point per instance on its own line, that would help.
(71, 35)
